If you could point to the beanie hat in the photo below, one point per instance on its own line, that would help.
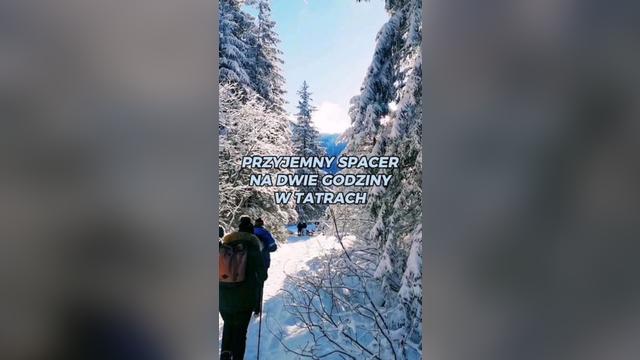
(259, 222)
(245, 224)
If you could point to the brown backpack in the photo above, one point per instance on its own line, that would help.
(232, 264)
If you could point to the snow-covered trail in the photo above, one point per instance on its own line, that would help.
(290, 258)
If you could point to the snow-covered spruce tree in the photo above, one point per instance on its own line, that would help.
(268, 82)
(306, 143)
(377, 91)
(247, 128)
(252, 119)
(237, 38)
(369, 111)
(397, 132)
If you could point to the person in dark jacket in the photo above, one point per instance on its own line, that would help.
(239, 301)
(300, 227)
(268, 242)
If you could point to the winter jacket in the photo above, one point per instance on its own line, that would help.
(245, 295)
(268, 244)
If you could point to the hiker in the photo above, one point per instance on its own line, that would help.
(300, 227)
(268, 242)
(239, 290)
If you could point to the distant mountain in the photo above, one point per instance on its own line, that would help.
(334, 147)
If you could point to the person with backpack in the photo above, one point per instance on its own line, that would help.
(242, 273)
(268, 242)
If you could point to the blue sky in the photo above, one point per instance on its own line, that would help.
(328, 43)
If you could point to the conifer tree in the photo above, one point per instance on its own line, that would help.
(387, 120)
(269, 82)
(306, 142)
(252, 121)
(235, 46)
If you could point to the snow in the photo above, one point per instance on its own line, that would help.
(290, 258)
(293, 256)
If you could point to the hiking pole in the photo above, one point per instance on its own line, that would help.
(260, 322)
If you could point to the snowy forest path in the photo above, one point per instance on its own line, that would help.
(290, 258)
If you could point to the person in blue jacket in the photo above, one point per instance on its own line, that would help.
(268, 242)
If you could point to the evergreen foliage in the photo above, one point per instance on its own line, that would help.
(307, 143)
